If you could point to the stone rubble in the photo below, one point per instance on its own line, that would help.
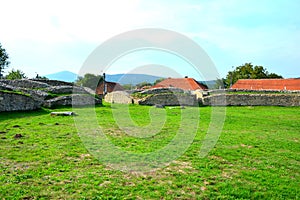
(22, 95)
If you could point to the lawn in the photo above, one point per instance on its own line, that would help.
(256, 157)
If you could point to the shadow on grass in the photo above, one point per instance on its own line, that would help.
(21, 114)
(42, 111)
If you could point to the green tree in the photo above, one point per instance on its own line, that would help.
(15, 74)
(158, 81)
(140, 85)
(273, 75)
(248, 71)
(3, 60)
(89, 80)
(220, 83)
(128, 86)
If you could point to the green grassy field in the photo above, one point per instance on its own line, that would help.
(256, 157)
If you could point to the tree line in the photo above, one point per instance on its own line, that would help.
(246, 71)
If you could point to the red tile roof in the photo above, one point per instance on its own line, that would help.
(182, 83)
(111, 87)
(267, 84)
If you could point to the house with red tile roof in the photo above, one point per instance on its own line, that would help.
(110, 87)
(182, 83)
(291, 84)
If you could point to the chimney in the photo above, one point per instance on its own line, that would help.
(104, 85)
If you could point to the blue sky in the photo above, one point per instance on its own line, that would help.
(52, 36)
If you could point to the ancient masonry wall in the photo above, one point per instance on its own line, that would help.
(252, 100)
(118, 97)
(170, 99)
(174, 99)
(17, 102)
(53, 82)
(21, 95)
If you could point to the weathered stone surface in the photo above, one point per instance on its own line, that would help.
(118, 97)
(17, 102)
(170, 99)
(165, 90)
(39, 95)
(25, 83)
(62, 113)
(66, 90)
(53, 82)
(252, 100)
(4, 86)
(30, 95)
(89, 90)
(74, 99)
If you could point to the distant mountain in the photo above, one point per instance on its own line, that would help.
(119, 78)
(63, 76)
(131, 78)
(139, 78)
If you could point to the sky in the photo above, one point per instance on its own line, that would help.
(45, 37)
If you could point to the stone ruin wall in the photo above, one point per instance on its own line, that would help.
(170, 99)
(53, 82)
(252, 100)
(20, 95)
(33, 94)
(24, 83)
(17, 102)
(219, 99)
(118, 97)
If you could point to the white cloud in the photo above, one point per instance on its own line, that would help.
(65, 21)
(242, 31)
